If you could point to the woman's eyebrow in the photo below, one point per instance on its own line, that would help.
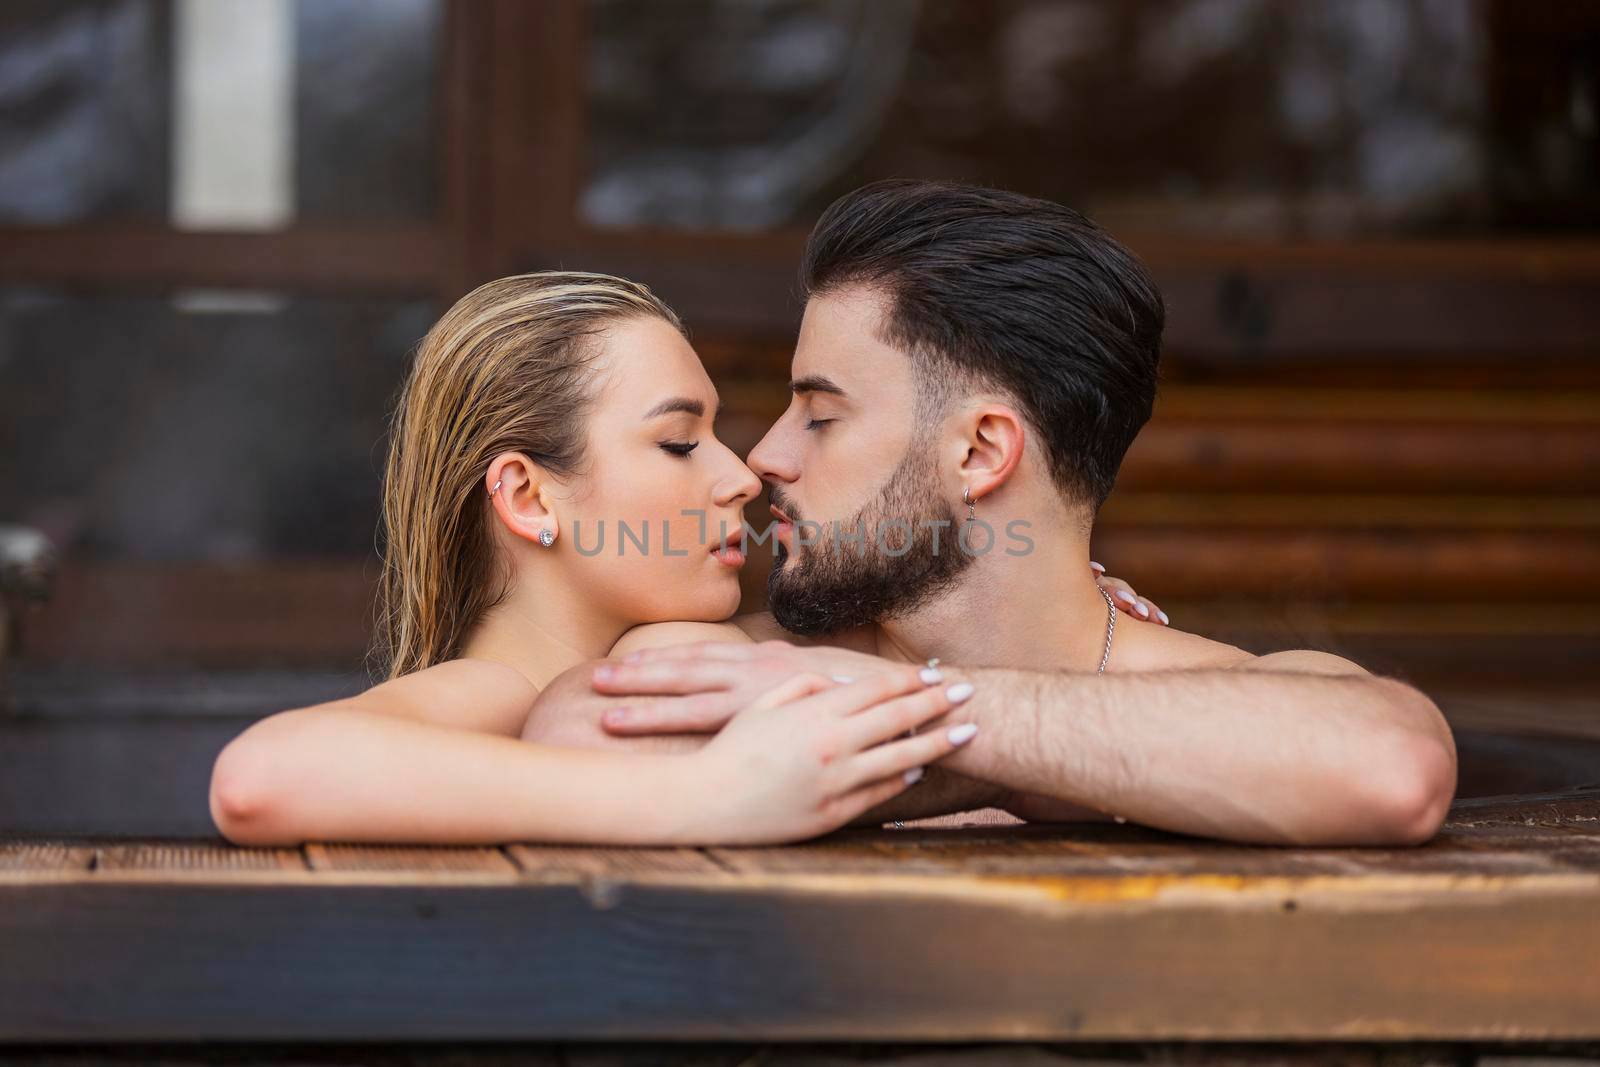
(679, 403)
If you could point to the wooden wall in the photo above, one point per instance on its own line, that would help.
(1386, 447)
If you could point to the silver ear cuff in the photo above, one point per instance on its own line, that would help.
(547, 537)
(495, 489)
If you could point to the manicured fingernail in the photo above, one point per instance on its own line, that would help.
(958, 692)
(1164, 620)
(1123, 594)
(1097, 566)
(960, 735)
(843, 679)
(913, 775)
(1142, 610)
(617, 715)
(604, 674)
(930, 676)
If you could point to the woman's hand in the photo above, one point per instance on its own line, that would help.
(813, 754)
(1124, 597)
(697, 688)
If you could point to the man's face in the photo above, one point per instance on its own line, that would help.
(851, 454)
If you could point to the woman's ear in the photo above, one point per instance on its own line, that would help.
(520, 493)
(994, 440)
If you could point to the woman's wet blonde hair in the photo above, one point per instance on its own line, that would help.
(507, 369)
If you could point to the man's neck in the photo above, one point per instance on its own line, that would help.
(1040, 611)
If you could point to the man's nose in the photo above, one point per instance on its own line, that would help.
(770, 460)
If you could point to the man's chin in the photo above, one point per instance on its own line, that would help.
(794, 609)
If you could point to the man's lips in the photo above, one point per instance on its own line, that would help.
(785, 525)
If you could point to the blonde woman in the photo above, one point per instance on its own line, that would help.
(538, 408)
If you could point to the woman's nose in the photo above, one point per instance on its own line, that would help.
(740, 486)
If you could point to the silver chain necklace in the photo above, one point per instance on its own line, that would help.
(1105, 657)
(1111, 628)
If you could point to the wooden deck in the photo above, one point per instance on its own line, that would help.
(1040, 933)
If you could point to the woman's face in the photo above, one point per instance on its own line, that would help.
(654, 527)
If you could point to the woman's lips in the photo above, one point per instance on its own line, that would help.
(731, 551)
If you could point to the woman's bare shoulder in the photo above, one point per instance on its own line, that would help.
(481, 695)
(761, 626)
(663, 634)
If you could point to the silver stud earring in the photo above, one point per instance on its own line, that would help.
(547, 537)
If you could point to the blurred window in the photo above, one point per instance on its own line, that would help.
(215, 115)
(1258, 118)
(211, 426)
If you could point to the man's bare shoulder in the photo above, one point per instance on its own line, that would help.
(1144, 646)
(1148, 646)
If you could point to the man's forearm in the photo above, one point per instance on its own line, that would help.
(1263, 756)
(940, 792)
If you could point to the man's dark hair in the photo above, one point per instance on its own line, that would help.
(993, 288)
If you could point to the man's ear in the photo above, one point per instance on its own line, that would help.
(994, 441)
(522, 496)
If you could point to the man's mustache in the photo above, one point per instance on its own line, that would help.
(781, 501)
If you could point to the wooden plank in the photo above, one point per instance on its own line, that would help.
(1335, 404)
(1576, 811)
(1225, 510)
(464, 123)
(752, 375)
(1380, 564)
(173, 861)
(1112, 851)
(1313, 300)
(423, 863)
(129, 258)
(565, 862)
(31, 858)
(1097, 851)
(285, 612)
(1390, 457)
(1022, 933)
(535, 106)
(814, 958)
(1483, 258)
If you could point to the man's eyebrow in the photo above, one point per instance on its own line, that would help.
(680, 403)
(815, 383)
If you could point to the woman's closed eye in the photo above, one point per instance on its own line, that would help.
(681, 449)
(812, 424)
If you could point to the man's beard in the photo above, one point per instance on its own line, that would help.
(835, 586)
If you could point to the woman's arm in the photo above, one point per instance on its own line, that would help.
(340, 773)
(381, 767)
(433, 758)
